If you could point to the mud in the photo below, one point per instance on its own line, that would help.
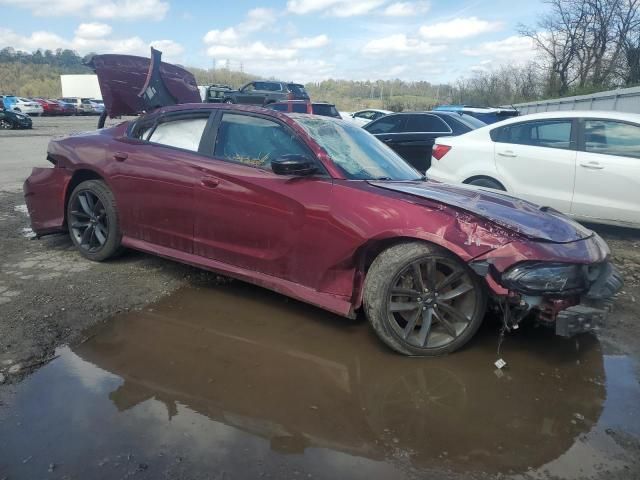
(230, 381)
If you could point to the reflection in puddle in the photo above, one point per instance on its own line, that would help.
(238, 381)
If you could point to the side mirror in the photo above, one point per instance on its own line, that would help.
(299, 165)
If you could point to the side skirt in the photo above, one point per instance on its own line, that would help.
(333, 303)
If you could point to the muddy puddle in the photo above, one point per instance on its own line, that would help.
(232, 381)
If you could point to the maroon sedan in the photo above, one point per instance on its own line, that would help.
(50, 107)
(319, 210)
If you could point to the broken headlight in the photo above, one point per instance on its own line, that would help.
(541, 277)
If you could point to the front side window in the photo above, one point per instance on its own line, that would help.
(388, 124)
(542, 133)
(612, 138)
(255, 141)
(426, 123)
(249, 88)
(183, 133)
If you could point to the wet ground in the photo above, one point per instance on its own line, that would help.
(230, 381)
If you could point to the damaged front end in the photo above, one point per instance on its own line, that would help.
(570, 298)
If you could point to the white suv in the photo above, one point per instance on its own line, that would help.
(585, 164)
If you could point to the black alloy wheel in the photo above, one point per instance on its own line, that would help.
(88, 221)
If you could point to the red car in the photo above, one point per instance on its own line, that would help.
(319, 210)
(50, 107)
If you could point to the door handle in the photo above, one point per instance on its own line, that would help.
(387, 140)
(592, 166)
(120, 156)
(507, 153)
(211, 182)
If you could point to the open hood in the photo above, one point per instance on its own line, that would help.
(131, 85)
(528, 219)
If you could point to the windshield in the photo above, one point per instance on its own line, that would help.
(358, 154)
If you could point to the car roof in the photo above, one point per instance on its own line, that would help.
(630, 117)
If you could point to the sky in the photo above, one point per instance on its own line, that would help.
(293, 40)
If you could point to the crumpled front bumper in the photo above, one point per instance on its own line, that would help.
(591, 313)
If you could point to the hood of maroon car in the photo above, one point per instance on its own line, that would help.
(131, 84)
(526, 218)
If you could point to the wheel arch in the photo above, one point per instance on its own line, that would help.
(79, 176)
(486, 177)
(369, 251)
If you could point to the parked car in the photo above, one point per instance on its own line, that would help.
(302, 106)
(49, 107)
(264, 92)
(10, 119)
(318, 209)
(362, 117)
(412, 134)
(585, 164)
(22, 105)
(487, 114)
(216, 93)
(67, 108)
(85, 106)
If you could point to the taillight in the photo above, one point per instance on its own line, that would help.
(440, 151)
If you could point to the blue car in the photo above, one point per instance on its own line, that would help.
(486, 114)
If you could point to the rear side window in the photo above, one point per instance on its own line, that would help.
(184, 133)
(325, 110)
(612, 138)
(388, 124)
(272, 87)
(542, 133)
(254, 141)
(296, 88)
(426, 123)
(299, 108)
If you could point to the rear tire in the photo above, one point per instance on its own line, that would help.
(93, 222)
(423, 301)
(487, 183)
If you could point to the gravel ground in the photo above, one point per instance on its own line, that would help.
(49, 294)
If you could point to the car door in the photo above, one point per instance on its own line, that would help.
(607, 185)
(387, 128)
(252, 94)
(537, 159)
(153, 177)
(248, 216)
(415, 143)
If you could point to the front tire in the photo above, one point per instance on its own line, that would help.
(423, 301)
(5, 125)
(93, 222)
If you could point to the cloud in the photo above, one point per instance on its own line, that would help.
(86, 40)
(101, 9)
(406, 9)
(93, 30)
(511, 47)
(228, 36)
(336, 8)
(310, 42)
(402, 45)
(257, 19)
(458, 28)
(252, 51)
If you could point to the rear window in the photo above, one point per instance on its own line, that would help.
(470, 121)
(325, 109)
(296, 88)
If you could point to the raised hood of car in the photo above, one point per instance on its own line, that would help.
(131, 85)
(528, 219)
